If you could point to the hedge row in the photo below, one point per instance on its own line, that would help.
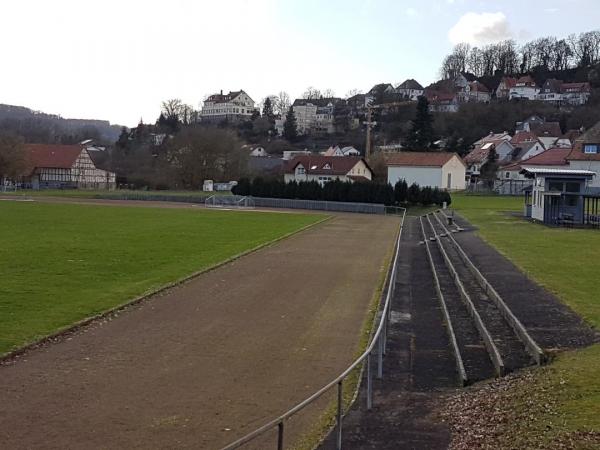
(339, 191)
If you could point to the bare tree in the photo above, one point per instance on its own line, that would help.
(352, 93)
(328, 93)
(282, 103)
(199, 153)
(312, 93)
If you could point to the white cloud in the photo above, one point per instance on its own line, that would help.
(480, 29)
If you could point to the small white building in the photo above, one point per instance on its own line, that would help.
(327, 168)
(524, 88)
(410, 90)
(433, 169)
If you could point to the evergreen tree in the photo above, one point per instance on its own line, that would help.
(268, 110)
(290, 127)
(489, 169)
(421, 135)
(401, 191)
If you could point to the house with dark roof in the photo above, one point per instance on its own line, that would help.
(476, 92)
(434, 169)
(50, 166)
(323, 169)
(410, 89)
(234, 107)
(585, 154)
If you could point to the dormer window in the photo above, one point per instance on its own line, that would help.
(326, 166)
(300, 170)
(591, 149)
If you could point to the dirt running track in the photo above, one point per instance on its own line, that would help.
(211, 360)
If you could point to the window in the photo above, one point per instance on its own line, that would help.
(591, 149)
(507, 175)
(300, 170)
(572, 187)
(555, 186)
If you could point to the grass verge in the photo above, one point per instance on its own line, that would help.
(559, 404)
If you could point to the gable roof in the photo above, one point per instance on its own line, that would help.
(549, 129)
(591, 136)
(428, 159)
(476, 86)
(225, 98)
(314, 164)
(552, 157)
(523, 136)
(51, 156)
(410, 84)
(526, 81)
(508, 82)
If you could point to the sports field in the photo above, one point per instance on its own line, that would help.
(560, 402)
(61, 263)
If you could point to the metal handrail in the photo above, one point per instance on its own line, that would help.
(379, 338)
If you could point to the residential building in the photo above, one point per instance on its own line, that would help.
(559, 93)
(343, 151)
(481, 153)
(315, 115)
(381, 93)
(235, 107)
(576, 93)
(524, 88)
(442, 101)
(585, 154)
(323, 169)
(433, 169)
(530, 123)
(493, 137)
(476, 92)
(50, 166)
(503, 89)
(553, 158)
(410, 90)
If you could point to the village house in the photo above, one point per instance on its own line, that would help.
(433, 169)
(559, 93)
(234, 107)
(585, 154)
(343, 151)
(553, 158)
(315, 115)
(51, 166)
(504, 87)
(410, 90)
(481, 154)
(383, 92)
(477, 92)
(442, 101)
(323, 169)
(524, 88)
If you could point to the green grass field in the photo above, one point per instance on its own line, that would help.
(61, 263)
(566, 262)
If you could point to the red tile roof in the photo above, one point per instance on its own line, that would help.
(591, 136)
(552, 157)
(429, 159)
(314, 164)
(523, 136)
(51, 156)
(477, 155)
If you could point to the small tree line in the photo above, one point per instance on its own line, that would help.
(342, 191)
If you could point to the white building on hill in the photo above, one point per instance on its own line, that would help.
(235, 106)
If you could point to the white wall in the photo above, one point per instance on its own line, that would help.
(594, 166)
(458, 173)
(423, 176)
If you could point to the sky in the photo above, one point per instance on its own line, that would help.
(117, 60)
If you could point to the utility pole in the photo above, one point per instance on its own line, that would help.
(369, 123)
